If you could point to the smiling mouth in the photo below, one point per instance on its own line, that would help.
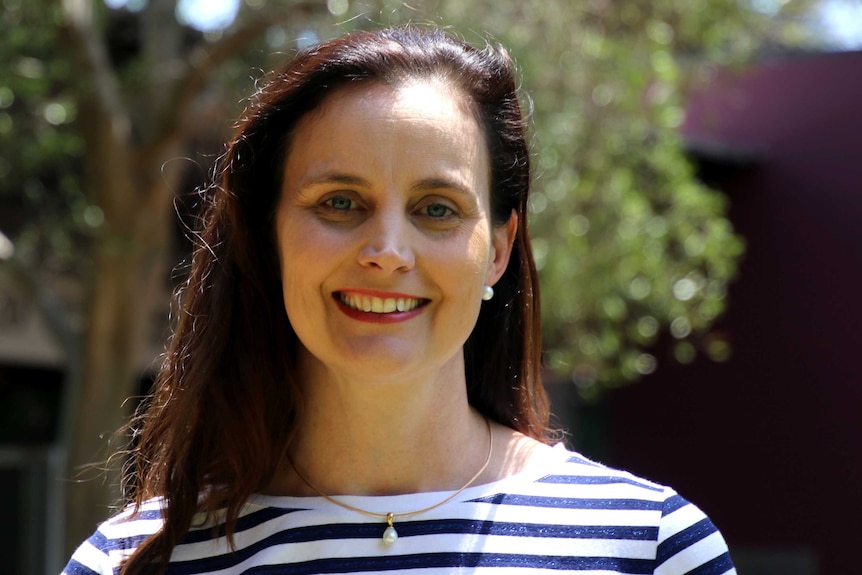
(372, 304)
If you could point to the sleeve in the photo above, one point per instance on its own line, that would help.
(91, 558)
(689, 543)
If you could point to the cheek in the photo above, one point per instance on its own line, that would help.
(310, 254)
(296, 258)
(465, 264)
(481, 250)
(300, 293)
(300, 242)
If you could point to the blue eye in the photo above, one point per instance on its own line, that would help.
(341, 203)
(438, 210)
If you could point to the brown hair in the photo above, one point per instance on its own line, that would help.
(216, 427)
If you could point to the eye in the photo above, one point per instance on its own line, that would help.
(438, 210)
(340, 203)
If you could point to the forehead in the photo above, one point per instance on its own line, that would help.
(431, 100)
(419, 125)
(431, 96)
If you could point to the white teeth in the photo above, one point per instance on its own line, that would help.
(378, 305)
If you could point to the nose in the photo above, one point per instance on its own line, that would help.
(386, 245)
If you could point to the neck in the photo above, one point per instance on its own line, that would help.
(382, 437)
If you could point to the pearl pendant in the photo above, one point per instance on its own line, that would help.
(390, 535)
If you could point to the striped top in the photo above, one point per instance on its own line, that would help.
(564, 513)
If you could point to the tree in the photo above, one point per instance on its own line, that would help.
(127, 119)
(629, 243)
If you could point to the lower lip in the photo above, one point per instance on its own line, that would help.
(370, 317)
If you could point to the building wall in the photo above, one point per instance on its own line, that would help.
(769, 443)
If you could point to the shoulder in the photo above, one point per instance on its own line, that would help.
(614, 500)
(557, 478)
(115, 539)
(566, 472)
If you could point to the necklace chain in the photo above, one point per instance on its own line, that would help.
(390, 535)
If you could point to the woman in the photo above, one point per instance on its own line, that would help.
(353, 385)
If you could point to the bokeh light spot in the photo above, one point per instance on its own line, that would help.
(337, 7)
(646, 364)
(680, 327)
(648, 326)
(684, 289)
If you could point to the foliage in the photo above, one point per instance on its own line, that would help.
(44, 207)
(633, 250)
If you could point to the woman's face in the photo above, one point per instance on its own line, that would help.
(384, 230)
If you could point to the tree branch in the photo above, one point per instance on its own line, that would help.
(204, 62)
(98, 77)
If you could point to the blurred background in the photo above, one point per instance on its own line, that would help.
(696, 218)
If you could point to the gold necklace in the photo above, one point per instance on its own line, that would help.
(390, 534)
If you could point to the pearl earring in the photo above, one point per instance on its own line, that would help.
(487, 293)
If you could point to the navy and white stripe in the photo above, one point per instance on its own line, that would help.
(564, 514)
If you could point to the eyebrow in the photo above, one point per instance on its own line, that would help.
(336, 178)
(434, 183)
(425, 184)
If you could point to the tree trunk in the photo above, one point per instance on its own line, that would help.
(127, 286)
(108, 379)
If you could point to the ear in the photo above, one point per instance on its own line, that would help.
(502, 238)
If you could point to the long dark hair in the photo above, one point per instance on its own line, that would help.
(216, 427)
